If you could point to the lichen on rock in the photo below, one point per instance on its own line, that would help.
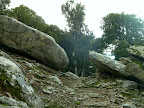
(22, 38)
(17, 84)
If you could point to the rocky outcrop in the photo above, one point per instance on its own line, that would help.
(15, 81)
(22, 38)
(137, 51)
(106, 64)
(136, 54)
(131, 70)
(135, 70)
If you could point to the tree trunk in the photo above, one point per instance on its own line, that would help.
(75, 66)
(83, 69)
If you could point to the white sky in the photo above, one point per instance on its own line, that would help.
(50, 10)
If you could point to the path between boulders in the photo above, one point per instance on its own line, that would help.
(97, 97)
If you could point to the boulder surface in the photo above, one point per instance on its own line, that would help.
(131, 71)
(106, 64)
(16, 83)
(136, 50)
(22, 38)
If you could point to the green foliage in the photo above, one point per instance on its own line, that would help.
(122, 27)
(55, 32)
(121, 49)
(74, 14)
(98, 45)
(3, 6)
(30, 18)
(77, 103)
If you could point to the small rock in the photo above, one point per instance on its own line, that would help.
(8, 94)
(72, 93)
(118, 101)
(130, 84)
(71, 75)
(98, 85)
(83, 97)
(70, 90)
(56, 79)
(47, 89)
(104, 85)
(128, 106)
(142, 93)
(93, 95)
(125, 61)
(91, 81)
(120, 96)
(119, 81)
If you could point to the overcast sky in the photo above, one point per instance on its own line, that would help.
(50, 10)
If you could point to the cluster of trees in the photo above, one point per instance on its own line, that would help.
(120, 30)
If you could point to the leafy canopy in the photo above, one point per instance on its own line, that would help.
(122, 28)
(74, 14)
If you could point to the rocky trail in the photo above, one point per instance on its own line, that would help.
(107, 93)
(66, 90)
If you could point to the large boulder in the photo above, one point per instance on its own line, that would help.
(136, 71)
(22, 38)
(106, 64)
(137, 55)
(137, 51)
(131, 71)
(15, 81)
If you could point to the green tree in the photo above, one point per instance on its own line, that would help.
(79, 35)
(98, 45)
(122, 27)
(3, 6)
(55, 32)
(30, 18)
(121, 49)
(74, 14)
